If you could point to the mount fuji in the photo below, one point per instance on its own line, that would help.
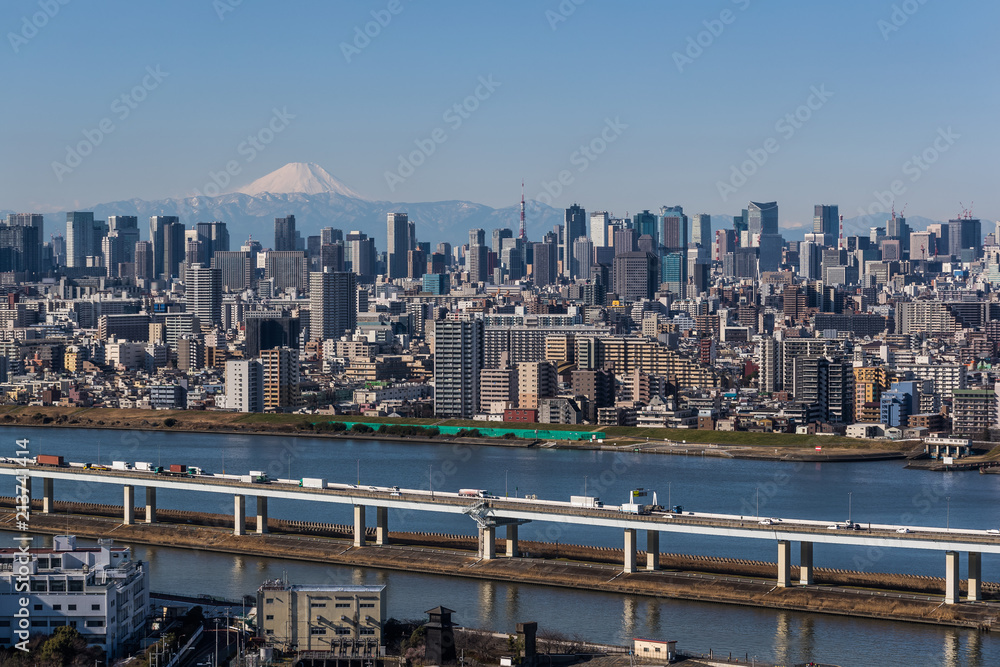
(299, 177)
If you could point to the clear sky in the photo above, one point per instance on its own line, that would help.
(680, 91)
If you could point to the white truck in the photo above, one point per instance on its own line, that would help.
(144, 466)
(120, 465)
(585, 501)
(636, 507)
(313, 483)
(474, 493)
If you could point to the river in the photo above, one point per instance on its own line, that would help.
(866, 491)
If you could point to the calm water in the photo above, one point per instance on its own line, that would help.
(879, 492)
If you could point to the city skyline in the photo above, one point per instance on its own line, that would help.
(513, 119)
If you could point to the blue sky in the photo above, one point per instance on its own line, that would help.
(676, 119)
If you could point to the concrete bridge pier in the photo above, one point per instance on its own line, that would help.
(629, 565)
(239, 515)
(784, 563)
(129, 505)
(381, 526)
(487, 542)
(150, 504)
(512, 550)
(652, 550)
(805, 563)
(261, 515)
(975, 576)
(359, 525)
(47, 496)
(951, 579)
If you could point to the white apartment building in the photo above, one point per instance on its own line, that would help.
(100, 591)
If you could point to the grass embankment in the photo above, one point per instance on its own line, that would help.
(283, 424)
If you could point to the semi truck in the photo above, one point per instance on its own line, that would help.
(313, 483)
(474, 493)
(585, 501)
(50, 460)
(634, 504)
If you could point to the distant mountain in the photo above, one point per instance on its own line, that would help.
(298, 177)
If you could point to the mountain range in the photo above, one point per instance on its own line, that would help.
(317, 199)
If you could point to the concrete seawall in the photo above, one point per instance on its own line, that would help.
(731, 581)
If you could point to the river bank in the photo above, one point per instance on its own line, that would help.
(728, 581)
(722, 444)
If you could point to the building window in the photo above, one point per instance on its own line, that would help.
(342, 605)
(343, 631)
(38, 586)
(269, 617)
(268, 600)
(4, 622)
(317, 605)
(367, 604)
(39, 624)
(38, 607)
(367, 631)
(76, 586)
(71, 607)
(95, 607)
(97, 623)
(317, 631)
(56, 607)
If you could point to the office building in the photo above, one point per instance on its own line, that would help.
(645, 223)
(583, 257)
(635, 276)
(237, 269)
(763, 217)
(674, 226)
(268, 329)
(244, 385)
(701, 230)
(79, 238)
(335, 623)
(399, 242)
(965, 234)
(157, 231)
(144, 261)
(458, 359)
(332, 304)
(287, 270)
(674, 272)
(285, 235)
(127, 229)
(575, 226)
(599, 223)
(214, 237)
(543, 268)
(99, 591)
(826, 221)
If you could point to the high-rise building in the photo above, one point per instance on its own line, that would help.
(285, 237)
(19, 249)
(203, 294)
(237, 269)
(37, 222)
(626, 240)
(79, 237)
(157, 226)
(127, 229)
(543, 268)
(674, 273)
(810, 260)
(332, 304)
(771, 246)
(599, 221)
(281, 378)
(535, 380)
(287, 270)
(674, 226)
(645, 223)
(965, 234)
(583, 257)
(214, 237)
(478, 263)
(826, 221)
(498, 237)
(144, 261)
(458, 360)
(635, 275)
(172, 248)
(922, 245)
(112, 251)
(330, 235)
(268, 329)
(398, 242)
(575, 227)
(763, 217)
(701, 230)
(244, 385)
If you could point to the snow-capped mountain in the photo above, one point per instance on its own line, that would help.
(298, 177)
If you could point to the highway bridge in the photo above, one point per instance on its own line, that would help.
(491, 512)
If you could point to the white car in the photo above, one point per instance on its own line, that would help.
(765, 522)
(993, 531)
(902, 530)
(833, 526)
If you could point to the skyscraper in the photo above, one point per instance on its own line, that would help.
(236, 267)
(498, 236)
(763, 217)
(599, 221)
(157, 225)
(333, 309)
(281, 378)
(458, 360)
(701, 230)
(214, 237)
(644, 224)
(398, 244)
(575, 227)
(286, 269)
(203, 294)
(674, 273)
(674, 223)
(543, 267)
(635, 275)
(79, 237)
(965, 234)
(36, 221)
(284, 233)
(143, 258)
(583, 257)
(826, 221)
(174, 250)
(127, 229)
